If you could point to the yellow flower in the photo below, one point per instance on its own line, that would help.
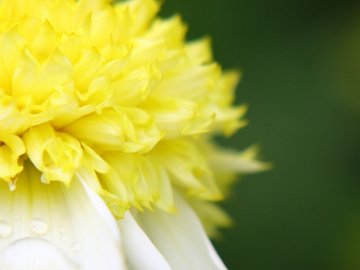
(106, 112)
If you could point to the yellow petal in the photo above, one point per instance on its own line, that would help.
(56, 155)
(11, 150)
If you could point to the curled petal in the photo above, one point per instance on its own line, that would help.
(55, 154)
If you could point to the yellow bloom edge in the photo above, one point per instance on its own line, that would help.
(110, 94)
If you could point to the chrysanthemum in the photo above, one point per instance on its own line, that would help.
(106, 124)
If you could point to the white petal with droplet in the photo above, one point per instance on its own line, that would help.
(35, 254)
(56, 227)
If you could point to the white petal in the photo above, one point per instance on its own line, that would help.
(180, 238)
(102, 210)
(140, 252)
(28, 254)
(51, 226)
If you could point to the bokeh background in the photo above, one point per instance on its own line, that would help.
(301, 65)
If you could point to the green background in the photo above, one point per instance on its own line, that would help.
(301, 67)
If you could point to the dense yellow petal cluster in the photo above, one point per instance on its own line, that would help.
(115, 96)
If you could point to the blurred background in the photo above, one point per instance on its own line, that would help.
(301, 78)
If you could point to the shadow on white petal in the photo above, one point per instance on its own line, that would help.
(140, 252)
(180, 238)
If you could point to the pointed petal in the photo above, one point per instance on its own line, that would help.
(140, 251)
(180, 238)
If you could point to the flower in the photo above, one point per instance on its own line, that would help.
(106, 154)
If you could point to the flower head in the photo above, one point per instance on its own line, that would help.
(111, 108)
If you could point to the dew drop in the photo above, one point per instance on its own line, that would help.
(76, 246)
(39, 226)
(61, 229)
(43, 179)
(63, 240)
(12, 186)
(5, 229)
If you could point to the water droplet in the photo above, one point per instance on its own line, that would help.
(39, 226)
(43, 179)
(5, 229)
(76, 246)
(12, 186)
(63, 240)
(61, 229)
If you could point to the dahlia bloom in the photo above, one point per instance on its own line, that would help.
(106, 123)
